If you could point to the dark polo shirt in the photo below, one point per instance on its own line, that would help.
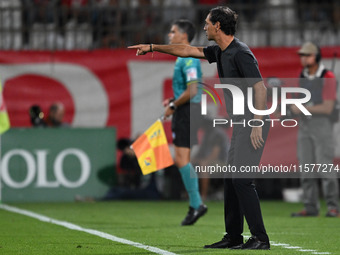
(238, 66)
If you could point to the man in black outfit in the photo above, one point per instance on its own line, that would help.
(234, 60)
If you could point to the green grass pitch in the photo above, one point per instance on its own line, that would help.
(156, 224)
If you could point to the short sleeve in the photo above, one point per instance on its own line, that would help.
(329, 87)
(248, 67)
(190, 70)
(210, 53)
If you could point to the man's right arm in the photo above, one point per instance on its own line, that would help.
(179, 50)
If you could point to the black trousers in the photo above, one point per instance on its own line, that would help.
(240, 196)
(185, 124)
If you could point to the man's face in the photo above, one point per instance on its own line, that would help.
(209, 28)
(58, 115)
(307, 60)
(175, 36)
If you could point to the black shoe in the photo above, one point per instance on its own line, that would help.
(194, 214)
(226, 242)
(254, 243)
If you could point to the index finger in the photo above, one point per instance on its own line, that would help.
(261, 139)
(134, 47)
(252, 139)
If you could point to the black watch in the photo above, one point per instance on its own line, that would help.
(172, 106)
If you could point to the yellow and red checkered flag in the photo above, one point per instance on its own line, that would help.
(152, 149)
(4, 120)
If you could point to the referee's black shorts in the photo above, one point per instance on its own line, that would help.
(184, 129)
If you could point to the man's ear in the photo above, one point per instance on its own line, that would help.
(217, 25)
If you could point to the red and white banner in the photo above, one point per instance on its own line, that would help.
(116, 88)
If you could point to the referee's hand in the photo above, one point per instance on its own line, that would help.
(168, 112)
(256, 137)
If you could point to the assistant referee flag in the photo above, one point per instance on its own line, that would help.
(4, 120)
(152, 150)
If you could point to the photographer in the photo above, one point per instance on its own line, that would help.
(315, 136)
(56, 115)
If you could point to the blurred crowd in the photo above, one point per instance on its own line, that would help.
(71, 24)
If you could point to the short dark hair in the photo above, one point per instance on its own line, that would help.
(227, 18)
(54, 108)
(185, 26)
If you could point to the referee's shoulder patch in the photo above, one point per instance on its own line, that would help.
(188, 62)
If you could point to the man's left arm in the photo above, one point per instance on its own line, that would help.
(248, 66)
(328, 97)
(260, 104)
(325, 108)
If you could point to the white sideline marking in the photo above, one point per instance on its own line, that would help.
(298, 248)
(278, 244)
(86, 230)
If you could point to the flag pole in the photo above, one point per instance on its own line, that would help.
(0, 171)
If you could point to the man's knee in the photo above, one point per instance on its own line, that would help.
(180, 161)
(182, 157)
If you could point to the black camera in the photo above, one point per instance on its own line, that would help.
(37, 116)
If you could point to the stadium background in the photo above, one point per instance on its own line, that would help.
(75, 52)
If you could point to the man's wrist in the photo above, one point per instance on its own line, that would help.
(256, 123)
(172, 105)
